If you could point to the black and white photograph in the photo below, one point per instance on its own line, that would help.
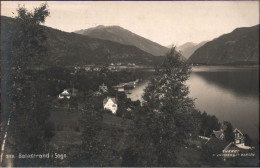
(129, 84)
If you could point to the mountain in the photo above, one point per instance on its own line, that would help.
(241, 46)
(73, 49)
(189, 48)
(123, 36)
(186, 45)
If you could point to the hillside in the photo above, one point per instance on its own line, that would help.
(123, 36)
(241, 46)
(189, 48)
(74, 49)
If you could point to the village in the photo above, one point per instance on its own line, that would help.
(110, 102)
(118, 66)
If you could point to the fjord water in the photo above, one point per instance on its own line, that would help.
(230, 93)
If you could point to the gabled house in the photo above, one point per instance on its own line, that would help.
(239, 137)
(222, 148)
(110, 104)
(218, 134)
(216, 145)
(68, 93)
(64, 95)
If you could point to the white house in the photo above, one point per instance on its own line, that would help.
(109, 103)
(64, 94)
(239, 137)
(68, 93)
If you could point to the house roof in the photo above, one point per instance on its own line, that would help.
(216, 144)
(65, 93)
(231, 146)
(106, 100)
(237, 131)
(218, 133)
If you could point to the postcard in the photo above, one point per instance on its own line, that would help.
(130, 83)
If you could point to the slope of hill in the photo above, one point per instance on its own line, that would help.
(123, 36)
(189, 48)
(241, 46)
(74, 49)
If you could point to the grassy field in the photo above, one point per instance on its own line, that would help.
(68, 131)
(68, 134)
(66, 126)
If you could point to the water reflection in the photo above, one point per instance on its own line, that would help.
(230, 93)
(228, 105)
(241, 81)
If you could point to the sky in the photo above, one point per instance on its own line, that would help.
(168, 22)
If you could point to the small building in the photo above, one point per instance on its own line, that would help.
(68, 93)
(110, 104)
(120, 87)
(103, 88)
(216, 145)
(64, 95)
(204, 138)
(218, 134)
(239, 137)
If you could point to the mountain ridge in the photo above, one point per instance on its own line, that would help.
(241, 46)
(73, 49)
(121, 35)
(187, 49)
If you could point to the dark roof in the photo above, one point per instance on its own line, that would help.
(231, 146)
(216, 144)
(217, 134)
